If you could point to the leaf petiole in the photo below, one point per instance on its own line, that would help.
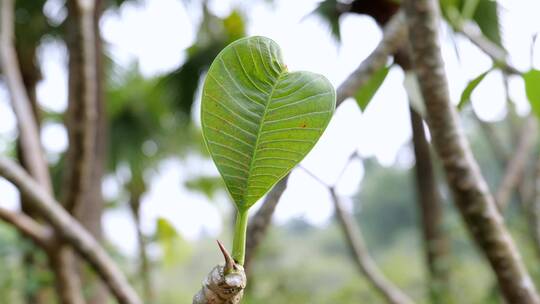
(239, 240)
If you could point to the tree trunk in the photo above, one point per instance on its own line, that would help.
(431, 213)
(86, 123)
(471, 194)
(68, 287)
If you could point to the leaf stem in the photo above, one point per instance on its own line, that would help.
(239, 240)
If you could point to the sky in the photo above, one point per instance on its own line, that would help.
(156, 34)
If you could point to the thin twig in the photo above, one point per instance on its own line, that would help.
(361, 256)
(516, 164)
(394, 36)
(33, 154)
(498, 54)
(358, 248)
(26, 225)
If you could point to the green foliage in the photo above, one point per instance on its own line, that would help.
(485, 13)
(532, 87)
(174, 248)
(327, 11)
(367, 91)
(486, 16)
(143, 122)
(258, 119)
(213, 35)
(471, 86)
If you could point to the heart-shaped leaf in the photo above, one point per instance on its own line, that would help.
(258, 119)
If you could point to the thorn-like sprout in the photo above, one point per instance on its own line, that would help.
(230, 265)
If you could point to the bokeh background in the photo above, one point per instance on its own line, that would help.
(157, 53)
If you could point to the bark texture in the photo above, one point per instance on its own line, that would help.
(70, 231)
(471, 194)
(367, 266)
(86, 124)
(225, 284)
(81, 112)
(221, 288)
(431, 213)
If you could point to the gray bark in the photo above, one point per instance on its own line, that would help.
(471, 194)
(224, 284)
(436, 242)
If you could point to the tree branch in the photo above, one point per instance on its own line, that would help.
(361, 256)
(516, 164)
(27, 226)
(431, 210)
(471, 193)
(499, 55)
(394, 36)
(70, 231)
(260, 221)
(500, 153)
(33, 154)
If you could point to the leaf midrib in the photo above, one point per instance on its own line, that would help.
(256, 148)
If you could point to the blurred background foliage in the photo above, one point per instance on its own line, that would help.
(298, 263)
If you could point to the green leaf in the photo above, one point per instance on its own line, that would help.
(467, 92)
(328, 12)
(367, 91)
(532, 88)
(486, 16)
(258, 119)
